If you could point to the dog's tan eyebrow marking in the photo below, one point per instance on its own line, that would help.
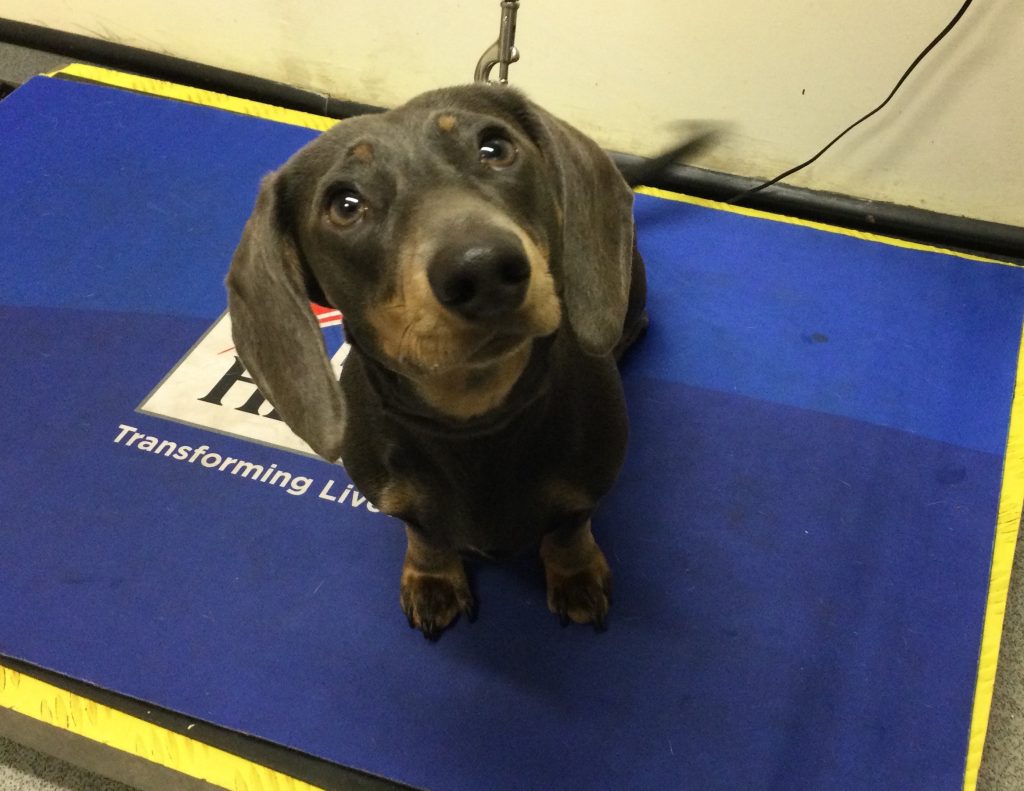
(363, 152)
(446, 123)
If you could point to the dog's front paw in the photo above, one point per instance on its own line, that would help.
(579, 581)
(582, 596)
(432, 601)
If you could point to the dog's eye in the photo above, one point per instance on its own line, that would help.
(346, 207)
(498, 152)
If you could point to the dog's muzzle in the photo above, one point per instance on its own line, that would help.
(482, 278)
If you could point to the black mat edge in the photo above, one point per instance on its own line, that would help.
(302, 766)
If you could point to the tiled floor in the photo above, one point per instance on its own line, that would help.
(22, 769)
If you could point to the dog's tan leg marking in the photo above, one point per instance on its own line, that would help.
(434, 589)
(567, 497)
(578, 578)
(398, 498)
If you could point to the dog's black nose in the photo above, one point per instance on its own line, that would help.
(482, 280)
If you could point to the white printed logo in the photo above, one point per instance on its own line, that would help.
(209, 388)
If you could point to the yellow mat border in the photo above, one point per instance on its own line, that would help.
(184, 93)
(83, 716)
(1011, 505)
(63, 709)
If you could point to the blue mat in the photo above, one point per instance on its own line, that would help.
(801, 537)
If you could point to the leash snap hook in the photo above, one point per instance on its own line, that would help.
(502, 53)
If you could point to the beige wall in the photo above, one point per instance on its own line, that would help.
(786, 74)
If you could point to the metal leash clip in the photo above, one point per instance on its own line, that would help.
(503, 52)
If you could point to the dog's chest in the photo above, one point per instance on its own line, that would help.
(498, 492)
(495, 495)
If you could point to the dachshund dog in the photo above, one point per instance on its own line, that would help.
(482, 254)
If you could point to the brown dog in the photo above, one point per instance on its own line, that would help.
(482, 253)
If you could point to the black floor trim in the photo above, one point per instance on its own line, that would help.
(299, 765)
(964, 234)
(959, 233)
(179, 70)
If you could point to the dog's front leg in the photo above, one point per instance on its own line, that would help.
(434, 586)
(579, 581)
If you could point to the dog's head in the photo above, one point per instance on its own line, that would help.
(450, 232)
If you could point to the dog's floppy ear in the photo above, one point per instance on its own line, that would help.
(597, 233)
(276, 336)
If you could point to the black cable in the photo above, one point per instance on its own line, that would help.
(952, 23)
